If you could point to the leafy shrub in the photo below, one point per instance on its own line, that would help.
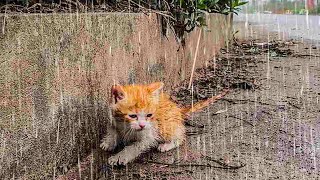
(181, 15)
(185, 15)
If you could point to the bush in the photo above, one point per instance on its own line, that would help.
(181, 15)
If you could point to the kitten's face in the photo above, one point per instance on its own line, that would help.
(136, 104)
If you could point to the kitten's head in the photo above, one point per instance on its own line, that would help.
(135, 105)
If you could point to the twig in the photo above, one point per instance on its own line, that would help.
(293, 105)
(191, 133)
(194, 124)
(154, 11)
(194, 60)
(33, 6)
(240, 101)
(291, 97)
(219, 112)
(306, 55)
(197, 165)
(222, 163)
(80, 5)
(266, 112)
(242, 120)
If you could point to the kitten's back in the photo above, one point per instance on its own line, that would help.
(170, 118)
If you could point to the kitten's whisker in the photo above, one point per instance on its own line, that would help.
(127, 134)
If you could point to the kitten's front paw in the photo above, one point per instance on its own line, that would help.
(105, 146)
(165, 147)
(108, 144)
(118, 160)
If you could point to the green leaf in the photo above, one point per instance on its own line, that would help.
(242, 3)
(202, 21)
(202, 6)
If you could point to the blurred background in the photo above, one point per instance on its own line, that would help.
(283, 6)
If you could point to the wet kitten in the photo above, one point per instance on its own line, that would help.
(144, 117)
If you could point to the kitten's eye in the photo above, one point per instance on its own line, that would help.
(149, 115)
(132, 116)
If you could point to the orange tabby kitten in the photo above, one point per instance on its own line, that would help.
(144, 117)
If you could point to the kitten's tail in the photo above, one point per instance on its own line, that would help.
(202, 104)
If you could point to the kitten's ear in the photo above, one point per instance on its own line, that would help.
(155, 88)
(117, 93)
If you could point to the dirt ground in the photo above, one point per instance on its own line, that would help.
(267, 127)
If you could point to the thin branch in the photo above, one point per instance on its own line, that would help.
(194, 124)
(195, 59)
(193, 133)
(306, 55)
(293, 105)
(242, 101)
(163, 13)
(242, 120)
(197, 165)
(222, 163)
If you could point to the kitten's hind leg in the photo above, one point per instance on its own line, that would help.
(110, 140)
(176, 141)
(167, 146)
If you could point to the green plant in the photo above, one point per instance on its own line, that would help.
(185, 15)
(235, 6)
(181, 15)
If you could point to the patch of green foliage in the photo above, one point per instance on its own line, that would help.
(181, 15)
(185, 15)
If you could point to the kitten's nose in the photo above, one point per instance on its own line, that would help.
(142, 125)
